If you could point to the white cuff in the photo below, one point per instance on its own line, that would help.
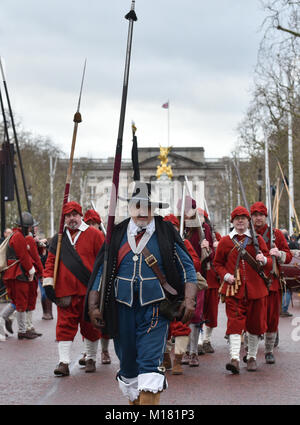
(227, 276)
(32, 270)
(265, 261)
(152, 381)
(129, 387)
(48, 281)
(282, 257)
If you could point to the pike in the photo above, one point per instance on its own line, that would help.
(131, 17)
(134, 155)
(10, 158)
(270, 214)
(15, 136)
(77, 119)
(259, 267)
(101, 224)
(204, 252)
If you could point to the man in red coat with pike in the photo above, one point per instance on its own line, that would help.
(80, 246)
(282, 253)
(243, 289)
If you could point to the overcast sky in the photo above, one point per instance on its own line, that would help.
(198, 54)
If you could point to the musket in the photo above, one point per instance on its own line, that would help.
(15, 137)
(252, 229)
(270, 215)
(134, 155)
(77, 119)
(204, 251)
(11, 160)
(101, 224)
(131, 17)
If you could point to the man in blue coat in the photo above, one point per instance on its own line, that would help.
(147, 263)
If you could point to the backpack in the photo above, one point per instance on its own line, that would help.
(3, 254)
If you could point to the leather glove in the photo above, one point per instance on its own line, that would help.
(189, 303)
(93, 308)
(50, 293)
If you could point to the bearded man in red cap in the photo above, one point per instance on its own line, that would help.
(281, 252)
(243, 289)
(79, 248)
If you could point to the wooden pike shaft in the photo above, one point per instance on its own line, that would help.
(77, 119)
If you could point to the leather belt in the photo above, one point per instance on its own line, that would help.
(151, 261)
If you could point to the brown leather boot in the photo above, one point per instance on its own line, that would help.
(177, 368)
(149, 399)
(233, 366)
(251, 364)
(167, 362)
(90, 366)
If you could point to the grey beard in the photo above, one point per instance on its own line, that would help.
(73, 226)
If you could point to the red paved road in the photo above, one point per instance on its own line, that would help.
(27, 373)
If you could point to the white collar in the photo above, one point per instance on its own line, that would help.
(234, 232)
(133, 229)
(83, 226)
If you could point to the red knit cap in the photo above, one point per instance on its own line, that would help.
(202, 212)
(72, 206)
(240, 211)
(93, 216)
(259, 207)
(174, 220)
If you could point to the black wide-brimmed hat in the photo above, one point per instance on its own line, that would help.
(142, 193)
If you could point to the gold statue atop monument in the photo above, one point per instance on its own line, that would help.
(163, 168)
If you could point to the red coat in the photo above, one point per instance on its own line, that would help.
(282, 245)
(87, 246)
(225, 262)
(193, 254)
(33, 251)
(21, 249)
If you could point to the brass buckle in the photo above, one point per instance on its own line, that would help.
(151, 260)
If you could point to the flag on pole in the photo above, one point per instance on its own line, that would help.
(165, 105)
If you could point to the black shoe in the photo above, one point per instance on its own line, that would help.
(285, 314)
(200, 350)
(8, 326)
(270, 359)
(233, 366)
(26, 335)
(62, 369)
(90, 366)
(82, 360)
(207, 347)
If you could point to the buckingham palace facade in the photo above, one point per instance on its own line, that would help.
(206, 182)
